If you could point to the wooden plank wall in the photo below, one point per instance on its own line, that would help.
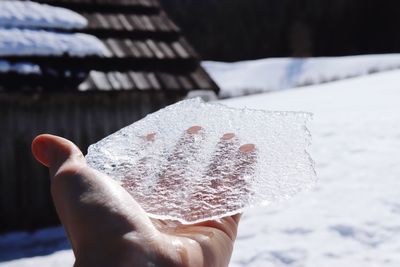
(84, 118)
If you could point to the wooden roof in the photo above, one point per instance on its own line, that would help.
(148, 52)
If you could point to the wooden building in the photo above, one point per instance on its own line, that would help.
(150, 65)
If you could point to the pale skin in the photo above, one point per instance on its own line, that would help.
(107, 227)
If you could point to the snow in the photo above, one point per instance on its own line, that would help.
(352, 218)
(272, 74)
(20, 67)
(23, 42)
(61, 258)
(34, 15)
(42, 242)
(16, 39)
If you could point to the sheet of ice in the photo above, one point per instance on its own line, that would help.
(272, 74)
(20, 67)
(33, 15)
(231, 159)
(18, 42)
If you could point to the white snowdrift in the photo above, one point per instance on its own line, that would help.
(32, 15)
(17, 42)
(352, 218)
(21, 67)
(272, 74)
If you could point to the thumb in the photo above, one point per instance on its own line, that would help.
(55, 152)
(89, 203)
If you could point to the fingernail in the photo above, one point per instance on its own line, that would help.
(151, 137)
(193, 130)
(41, 152)
(247, 148)
(228, 136)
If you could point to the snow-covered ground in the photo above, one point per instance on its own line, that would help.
(23, 42)
(272, 74)
(352, 218)
(42, 242)
(32, 15)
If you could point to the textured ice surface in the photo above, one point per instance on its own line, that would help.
(195, 161)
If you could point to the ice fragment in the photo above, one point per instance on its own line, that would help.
(195, 161)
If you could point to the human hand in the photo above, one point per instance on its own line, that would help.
(107, 227)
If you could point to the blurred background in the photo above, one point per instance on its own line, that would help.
(233, 30)
(83, 69)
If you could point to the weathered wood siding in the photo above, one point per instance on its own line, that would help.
(84, 118)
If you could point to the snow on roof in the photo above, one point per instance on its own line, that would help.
(33, 15)
(20, 67)
(271, 74)
(17, 42)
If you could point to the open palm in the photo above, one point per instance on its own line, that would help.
(107, 227)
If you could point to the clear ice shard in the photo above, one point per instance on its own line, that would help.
(195, 161)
